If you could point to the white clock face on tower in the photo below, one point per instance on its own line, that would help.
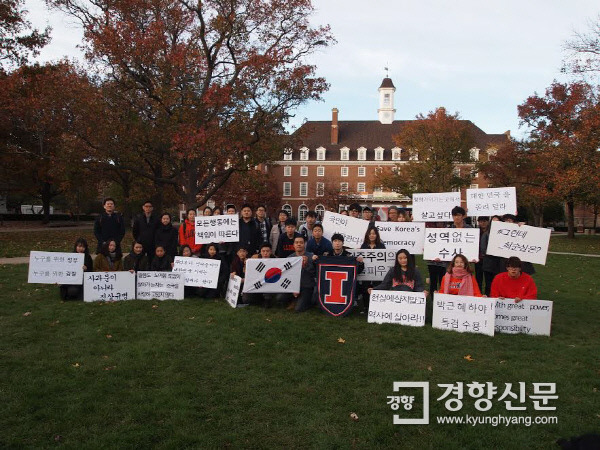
(386, 115)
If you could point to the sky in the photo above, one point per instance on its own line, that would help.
(478, 58)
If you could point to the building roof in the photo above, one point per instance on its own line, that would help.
(387, 83)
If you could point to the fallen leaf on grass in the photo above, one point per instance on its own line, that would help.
(27, 314)
(468, 358)
(58, 438)
(108, 336)
(430, 368)
(110, 367)
(502, 362)
(104, 356)
(192, 318)
(341, 340)
(154, 306)
(75, 365)
(268, 320)
(56, 322)
(251, 343)
(354, 416)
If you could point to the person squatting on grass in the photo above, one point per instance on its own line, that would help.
(109, 259)
(404, 276)
(459, 280)
(136, 260)
(514, 283)
(75, 291)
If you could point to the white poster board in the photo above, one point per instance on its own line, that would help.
(160, 286)
(445, 243)
(233, 290)
(527, 316)
(527, 243)
(436, 207)
(56, 267)
(108, 286)
(224, 228)
(198, 272)
(463, 314)
(377, 263)
(398, 235)
(273, 275)
(351, 228)
(492, 201)
(400, 307)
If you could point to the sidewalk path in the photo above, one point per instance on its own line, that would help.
(574, 254)
(50, 228)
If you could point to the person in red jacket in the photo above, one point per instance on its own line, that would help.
(514, 283)
(459, 279)
(187, 232)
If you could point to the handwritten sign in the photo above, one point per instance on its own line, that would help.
(55, 267)
(446, 243)
(527, 316)
(377, 263)
(159, 286)
(223, 228)
(436, 207)
(351, 228)
(403, 308)
(527, 243)
(464, 314)
(108, 286)
(273, 275)
(233, 290)
(492, 201)
(198, 272)
(398, 235)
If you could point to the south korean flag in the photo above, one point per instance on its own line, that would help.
(273, 275)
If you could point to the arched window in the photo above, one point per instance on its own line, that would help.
(302, 210)
(287, 208)
(345, 154)
(396, 154)
(361, 154)
(379, 154)
(474, 153)
(320, 210)
(321, 154)
(303, 154)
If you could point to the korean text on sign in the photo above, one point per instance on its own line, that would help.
(463, 314)
(223, 228)
(351, 228)
(198, 272)
(160, 286)
(56, 267)
(404, 308)
(492, 201)
(436, 207)
(445, 243)
(527, 243)
(108, 286)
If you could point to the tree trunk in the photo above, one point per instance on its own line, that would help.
(595, 216)
(571, 219)
(46, 192)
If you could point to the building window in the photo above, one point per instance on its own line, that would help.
(474, 153)
(302, 210)
(304, 171)
(362, 172)
(378, 154)
(345, 154)
(378, 170)
(377, 190)
(321, 154)
(386, 99)
(474, 186)
(320, 210)
(303, 154)
(492, 152)
(414, 156)
(362, 154)
(396, 154)
(288, 209)
(320, 171)
(287, 171)
(303, 189)
(320, 189)
(287, 154)
(361, 187)
(344, 171)
(287, 189)
(344, 187)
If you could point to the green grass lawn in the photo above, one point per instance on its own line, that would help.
(586, 244)
(199, 374)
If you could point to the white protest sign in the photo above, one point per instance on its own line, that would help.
(463, 314)
(492, 201)
(351, 228)
(225, 228)
(436, 207)
(273, 275)
(198, 272)
(378, 262)
(159, 286)
(108, 286)
(233, 290)
(398, 235)
(527, 316)
(527, 243)
(446, 243)
(56, 267)
(401, 307)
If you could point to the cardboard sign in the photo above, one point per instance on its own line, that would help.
(233, 290)
(492, 201)
(446, 243)
(527, 316)
(159, 286)
(436, 207)
(527, 243)
(56, 267)
(351, 228)
(225, 228)
(273, 275)
(464, 314)
(399, 235)
(108, 286)
(198, 272)
(377, 263)
(400, 307)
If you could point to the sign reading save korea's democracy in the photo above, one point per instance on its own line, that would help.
(398, 235)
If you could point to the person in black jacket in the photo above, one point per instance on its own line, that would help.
(372, 242)
(161, 262)
(75, 291)
(166, 236)
(263, 222)
(285, 244)
(144, 228)
(109, 225)
(212, 252)
(250, 235)
(136, 261)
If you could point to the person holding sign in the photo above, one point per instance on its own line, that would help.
(514, 283)
(75, 291)
(212, 252)
(109, 258)
(136, 260)
(459, 280)
(404, 276)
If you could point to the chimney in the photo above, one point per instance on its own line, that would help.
(334, 126)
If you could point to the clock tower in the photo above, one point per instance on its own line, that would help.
(386, 101)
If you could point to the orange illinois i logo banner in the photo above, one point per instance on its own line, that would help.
(336, 284)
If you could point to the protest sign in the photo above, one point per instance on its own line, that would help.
(198, 272)
(233, 290)
(336, 284)
(436, 207)
(56, 267)
(108, 286)
(527, 316)
(223, 228)
(527, 243)
(273, 275)
(378, 262)
(401, 307)
(398, 235)
(351, 228)
(159, 286)
(492, 201)
(446, 243)
(463, 314)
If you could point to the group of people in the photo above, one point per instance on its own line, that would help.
(157, 242)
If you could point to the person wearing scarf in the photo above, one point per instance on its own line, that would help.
(459, 280)
(136, 260)
(109, 258)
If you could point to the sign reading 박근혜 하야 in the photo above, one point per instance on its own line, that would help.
(463, 314)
